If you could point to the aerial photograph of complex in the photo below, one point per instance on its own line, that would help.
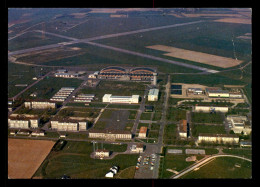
(129, 93)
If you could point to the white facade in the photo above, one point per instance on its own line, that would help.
(39, 104)
(120, 99)
(218, 138)
(153, 95)
(24, 124)
(238, 124)
(209, 108)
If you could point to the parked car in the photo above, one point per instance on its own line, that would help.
(151, 168)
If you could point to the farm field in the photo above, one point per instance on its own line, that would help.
(81, 165)
(223, 167)
(25, 155)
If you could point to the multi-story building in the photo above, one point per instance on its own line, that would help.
(153, 95)
(108, 98)
(110, 134)
(142, 132)
(218, 138)
(66, 124)
(40, 104)
(23, 122)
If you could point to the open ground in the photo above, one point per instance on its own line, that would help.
(25, 156)
(204, 58)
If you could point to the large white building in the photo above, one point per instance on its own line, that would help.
(218, 138)
(210, 108)
(110, 134)
(153, 95)
(108, 98)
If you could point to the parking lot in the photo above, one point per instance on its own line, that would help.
(146, 163)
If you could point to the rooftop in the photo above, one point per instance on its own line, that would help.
(218, 135)
(114, 131)
(143, 129)
(153, 92)
(183, 126)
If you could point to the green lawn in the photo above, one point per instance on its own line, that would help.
(106, 113)
(100, 125)
(212, 129)
(223, 168)
(79, 112)
(129, 126)
(155, 126)
(240, 152)
(157, 115)
(132, 114)
(118, 106)
(170, 133)
(153, 134)
(146, 116)
(174, 114)
(200, 117)
(142, 124)
(74, 160)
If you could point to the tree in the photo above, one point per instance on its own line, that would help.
(231, 132)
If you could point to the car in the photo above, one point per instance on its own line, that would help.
(151, 168)
(143, 163)
(152, 164)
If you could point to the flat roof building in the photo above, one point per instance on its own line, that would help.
(183, 130)
(142, 132)
(139, 148)
(153, 95)
(120, 99)
(110, 134)
(218, 138)
(202, 108)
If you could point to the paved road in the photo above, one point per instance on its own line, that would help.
(162, 125)
(203, 161)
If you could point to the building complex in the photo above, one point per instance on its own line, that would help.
(23, 122)
(40, 104)
(66, 124)
(108, 98)
(218, 138)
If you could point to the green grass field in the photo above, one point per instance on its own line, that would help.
(240, 152)
(146, 116)
(79, 112)
(174, 114)
(200, 117)
(170, 134)
(74, 160)
(223, 168)
(132, 114)
(49, 86)
(212, 129)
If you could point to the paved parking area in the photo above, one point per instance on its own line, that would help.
(118, 120)
(146, 163)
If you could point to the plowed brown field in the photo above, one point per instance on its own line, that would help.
(25, 156)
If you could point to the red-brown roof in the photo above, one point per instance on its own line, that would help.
(143, 130)
(183, 125)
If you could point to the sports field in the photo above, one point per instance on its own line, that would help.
(203, 58)
(25, 156)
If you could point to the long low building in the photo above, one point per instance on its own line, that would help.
(23, 122)
(108, 98)
(210, 108)
(40, 104)
(61, 124)
(110, 134)
(183, 130)
(218, 138)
